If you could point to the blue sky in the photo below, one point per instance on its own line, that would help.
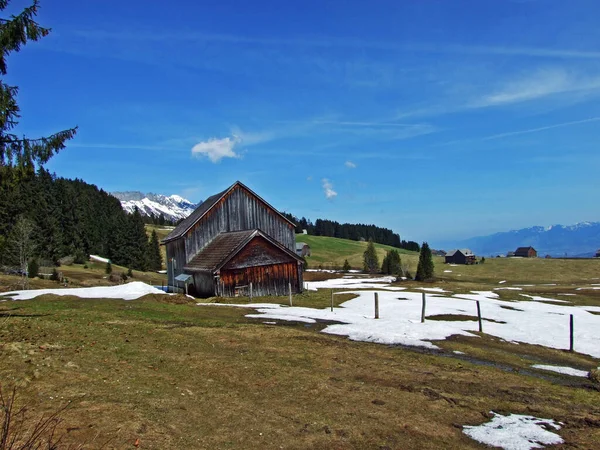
(438, 119)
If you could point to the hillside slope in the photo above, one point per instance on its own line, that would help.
(331, 252)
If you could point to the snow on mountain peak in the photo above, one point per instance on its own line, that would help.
(172, 207)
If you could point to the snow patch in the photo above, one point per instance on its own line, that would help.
(515, 432)
(99, 259)
(562, 369)
(129, 291)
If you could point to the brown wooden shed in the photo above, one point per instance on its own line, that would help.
(232, 239)
(526, 252)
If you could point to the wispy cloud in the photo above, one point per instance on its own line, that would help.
(350, 165)
(216, 149)
(539, 84)
(536, 85)
(330, 194)
(537, 130)
(336, 42)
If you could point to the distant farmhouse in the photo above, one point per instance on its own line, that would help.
(302, 249)
(526, 252)
(234, 239)
(460, 256)
(597, 253)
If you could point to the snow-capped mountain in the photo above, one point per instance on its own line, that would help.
(172, 207)
(581, 239)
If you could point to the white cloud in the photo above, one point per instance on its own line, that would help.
(217, 149)
(539, 84)
(328, 189)
(350, 165)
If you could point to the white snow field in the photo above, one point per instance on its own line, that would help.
(531, 322)
(515, 432)
(563, 370)
(129, 291)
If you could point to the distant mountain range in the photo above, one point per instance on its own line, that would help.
(172, 207)
(579, 240)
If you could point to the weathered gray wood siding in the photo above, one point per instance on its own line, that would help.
(237, 211)
(175, 249)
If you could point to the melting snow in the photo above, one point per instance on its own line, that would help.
(129, 291)
(432, 289)
(531, 322)
(356, 283)
(515, 432)
(508, 288)
(537, 298)
(502, 282)
(563, 370)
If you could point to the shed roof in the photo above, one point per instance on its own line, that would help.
(187, 223)
(224, 247)
(300, 245)
(524, 249)
(464, 251)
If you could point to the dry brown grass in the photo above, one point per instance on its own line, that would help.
(182, 376)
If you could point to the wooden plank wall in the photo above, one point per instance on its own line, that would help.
(266, 280)
(238, 211)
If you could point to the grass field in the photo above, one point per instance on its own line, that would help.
(175, 375)
(162, 232)
(331, 252)
(171, 374)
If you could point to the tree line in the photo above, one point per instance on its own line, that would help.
(71, 218)
(355, 232)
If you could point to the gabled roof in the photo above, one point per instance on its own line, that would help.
(224, 247)
(524, 249)
(187, 223)
(464, 251)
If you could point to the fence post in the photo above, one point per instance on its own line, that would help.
(332, 300)
(572, 346)
(423, 309)
(290, 292)
(479, 316)
(376, 305)
(250, 291)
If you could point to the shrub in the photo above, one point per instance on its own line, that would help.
(346, 267)
(85, 266)
(20, 432)
(33, 268)
(123, 276)
(80, 257)
(66, 261)
(108, 268)
(129, 273)
(482, 259)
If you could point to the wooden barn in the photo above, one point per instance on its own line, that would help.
(526, 252)
(460, 256)
(235, 238)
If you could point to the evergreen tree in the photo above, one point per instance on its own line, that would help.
(425, 267)
(108, 268)
(347, 267)
(137, 242)
(370, 259)
(154, 256)
(33, 269)
(22, 153)
(385, 265)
